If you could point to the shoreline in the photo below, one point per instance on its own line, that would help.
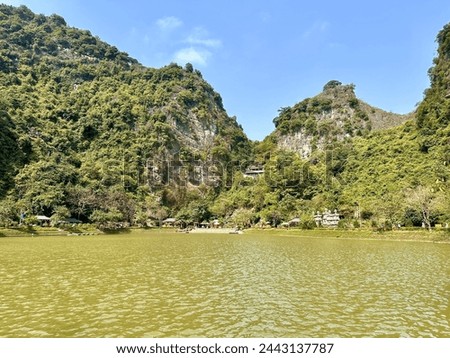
(342, 234)
(435, 236)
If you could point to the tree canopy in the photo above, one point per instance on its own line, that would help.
(87, 131)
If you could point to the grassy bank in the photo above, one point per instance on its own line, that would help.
(363, 234)
(398, 235)
(77, 230)
(31, 231)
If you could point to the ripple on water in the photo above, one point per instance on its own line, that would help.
(173, 286)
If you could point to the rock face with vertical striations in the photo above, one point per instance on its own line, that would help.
(68, 96)
(88, 129)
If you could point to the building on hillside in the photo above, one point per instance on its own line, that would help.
(253, 172)
(327, 218)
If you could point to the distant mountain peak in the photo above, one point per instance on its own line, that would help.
(331, 116)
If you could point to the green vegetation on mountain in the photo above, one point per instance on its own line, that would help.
(88, 132)
(335, 151)
(335, 115)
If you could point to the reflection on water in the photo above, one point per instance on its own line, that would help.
(166, 285)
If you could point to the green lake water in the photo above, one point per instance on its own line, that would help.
(177, 285)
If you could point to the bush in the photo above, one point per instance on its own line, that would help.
(332, 84)
(308, 225)
(413, 217)
(353, 102)
(345, 224)
(366, 215)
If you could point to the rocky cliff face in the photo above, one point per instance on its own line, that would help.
(332, 116)
(72, 104)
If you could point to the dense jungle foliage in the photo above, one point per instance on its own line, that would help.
(88, 132)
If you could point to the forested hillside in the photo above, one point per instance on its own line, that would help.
(404, 173)
(88, 132)
(332, 116)
(334, 151)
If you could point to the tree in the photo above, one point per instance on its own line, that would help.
(442, 206)
(272, 215)
(61, 213)
(424, 200)
(42, 185)
(9, 151)
(242, 218)
(391, 207)
(331, 84)
(106, 219)
(8, 213)
(199, 211)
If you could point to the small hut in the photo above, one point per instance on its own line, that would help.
(169, 222)
(294, 222)
(43, 220)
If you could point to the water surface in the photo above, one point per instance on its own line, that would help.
(177, 285)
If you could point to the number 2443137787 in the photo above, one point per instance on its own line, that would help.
(298, 348)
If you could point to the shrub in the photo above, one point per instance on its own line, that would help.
(308, 224)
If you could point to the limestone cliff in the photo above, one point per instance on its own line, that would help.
(333, 115)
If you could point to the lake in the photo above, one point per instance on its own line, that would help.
(159, 284)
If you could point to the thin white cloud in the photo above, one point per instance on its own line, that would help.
(200, 36)
(168, 23)
(178, 43)
(319, 27)
(192, 55)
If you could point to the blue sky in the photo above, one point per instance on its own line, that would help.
(267, 54)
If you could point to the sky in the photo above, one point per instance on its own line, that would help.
(261, 55)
